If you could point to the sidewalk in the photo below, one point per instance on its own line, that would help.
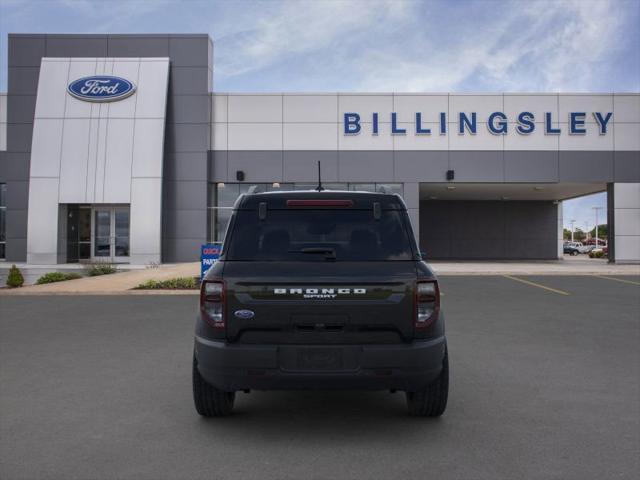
(124, 282)
(569, 266)
(116, 283)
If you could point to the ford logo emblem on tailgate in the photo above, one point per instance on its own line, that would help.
(244, 314)
(101, 88)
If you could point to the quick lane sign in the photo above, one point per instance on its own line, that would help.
(209, 253)
(467, 123)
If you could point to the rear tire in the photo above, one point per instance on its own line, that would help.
(210, 401)
(432, 401)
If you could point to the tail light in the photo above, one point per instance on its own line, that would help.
(427, 303)
(212, 303)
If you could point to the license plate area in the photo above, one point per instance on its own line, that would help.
(318, 359)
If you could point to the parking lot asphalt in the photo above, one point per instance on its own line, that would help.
(544, 385)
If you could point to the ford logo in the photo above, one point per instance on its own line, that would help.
(244, 314)
(101, 88)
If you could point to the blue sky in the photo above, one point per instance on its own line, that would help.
(378, 45)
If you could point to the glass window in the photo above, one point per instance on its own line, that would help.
(318, 235)
(222, 196)
(362, 187)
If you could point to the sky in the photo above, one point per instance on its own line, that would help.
(378, 45)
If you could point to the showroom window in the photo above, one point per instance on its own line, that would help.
(222, 196)
(3, 224)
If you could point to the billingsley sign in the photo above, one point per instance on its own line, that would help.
(497, 123)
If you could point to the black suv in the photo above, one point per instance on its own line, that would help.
(320, 290)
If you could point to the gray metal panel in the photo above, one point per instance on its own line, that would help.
(477, 166)
(19, 138)
(365, 166)
(218, 164)
(185, 195)
(259, 165)
(626, 166)
(531, 230)
(428, 165)
(530, 166)
(187, 137)
(302, 166)
(188, 109)
(185, 166)
(22, 108)
(76, 46)
(488, 230)
(23, 80)
(186, 223)
(138, 46)
(181, 249)
(190, 51)
(16, 167)
(26, 50)
(17, 248)
(17, 195)
(188, 80)
(586, 166)
(16, 223)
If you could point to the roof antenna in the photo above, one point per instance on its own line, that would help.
(319, 188)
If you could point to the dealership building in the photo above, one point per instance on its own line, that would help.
(117, 148)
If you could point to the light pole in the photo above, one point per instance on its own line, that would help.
(572, 228)
(596, 209)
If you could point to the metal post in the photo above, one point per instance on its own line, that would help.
(572, 228)
(596, 209)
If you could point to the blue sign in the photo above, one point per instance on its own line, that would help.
(101, 88)
(209, 253)
(497, 123)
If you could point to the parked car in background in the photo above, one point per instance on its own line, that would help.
(572, 248)
(586, 248)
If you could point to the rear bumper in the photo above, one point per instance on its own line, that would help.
(232, 367)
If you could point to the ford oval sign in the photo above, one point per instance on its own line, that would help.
(244, 314)
(101, 88)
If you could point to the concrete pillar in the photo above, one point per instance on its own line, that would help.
(411, 198)
(624, 224)
(560, 236)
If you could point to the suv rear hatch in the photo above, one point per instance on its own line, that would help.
(320, 268)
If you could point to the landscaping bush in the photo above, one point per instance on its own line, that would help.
(596, 254)
(15, 278)
(52, 277)
(100, 269)
(180, 283)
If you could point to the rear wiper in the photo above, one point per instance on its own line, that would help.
(330, 253)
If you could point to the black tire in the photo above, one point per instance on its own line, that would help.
(432, 401)
(209, 401)
(575, 252)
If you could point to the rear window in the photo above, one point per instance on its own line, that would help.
(319, 235)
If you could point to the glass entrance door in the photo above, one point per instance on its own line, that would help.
(111, 234)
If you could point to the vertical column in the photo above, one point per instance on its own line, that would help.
(626, 222)
(411, 197)
(560, 236)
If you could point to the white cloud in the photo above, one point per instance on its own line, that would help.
(411, 46)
